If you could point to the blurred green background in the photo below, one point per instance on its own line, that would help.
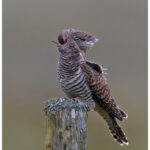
(30, 60)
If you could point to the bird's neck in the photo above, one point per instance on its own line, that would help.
(73, 58)
(70, 62)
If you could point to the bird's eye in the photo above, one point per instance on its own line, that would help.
(70, 46)
(61, 40)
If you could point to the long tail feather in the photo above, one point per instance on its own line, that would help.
(114, 128)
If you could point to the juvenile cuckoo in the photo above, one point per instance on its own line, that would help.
(86, 80)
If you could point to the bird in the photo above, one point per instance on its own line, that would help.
(84, 40)
(86, 81)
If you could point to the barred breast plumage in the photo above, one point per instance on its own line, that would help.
(72, 79)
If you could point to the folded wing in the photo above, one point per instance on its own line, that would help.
(95, 77)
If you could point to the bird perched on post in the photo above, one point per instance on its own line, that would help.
(86, 81)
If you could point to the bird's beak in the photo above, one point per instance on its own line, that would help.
(55, 42)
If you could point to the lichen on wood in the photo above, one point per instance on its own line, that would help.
(66, 124)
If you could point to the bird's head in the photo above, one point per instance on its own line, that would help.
(67, 45)
(84, 40)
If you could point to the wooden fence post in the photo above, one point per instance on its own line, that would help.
(66, 124)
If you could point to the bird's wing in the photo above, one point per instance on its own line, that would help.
(95, 66)
(95, 77)
(113, 126)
